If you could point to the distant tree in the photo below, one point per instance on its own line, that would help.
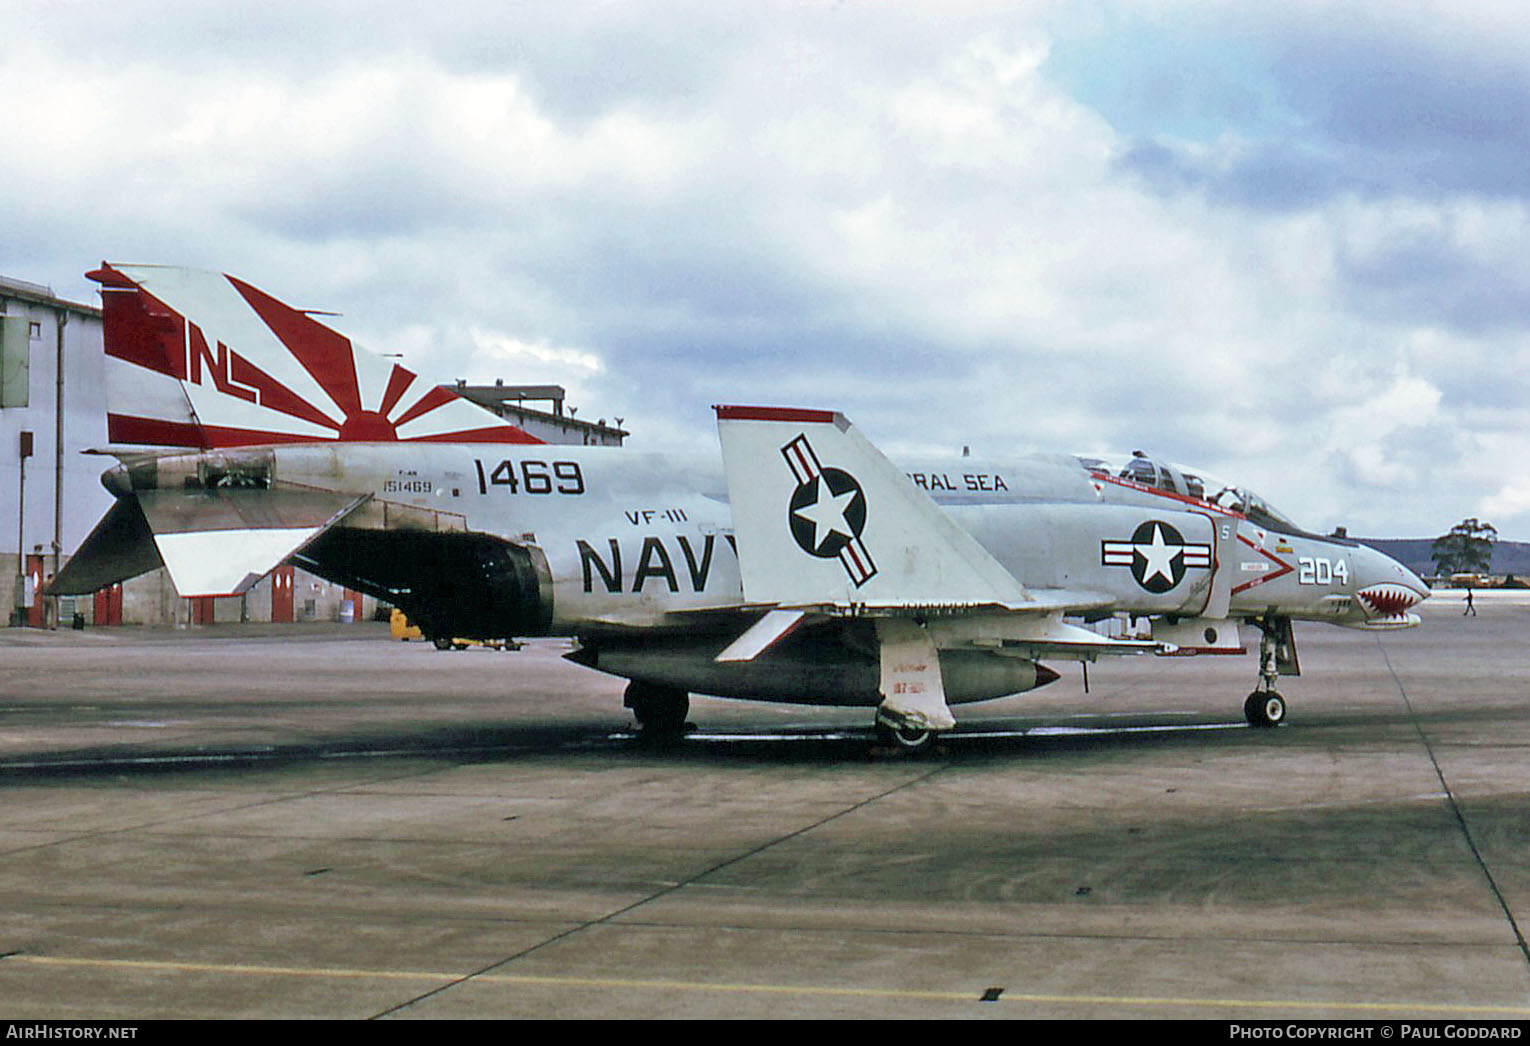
(1467, 549)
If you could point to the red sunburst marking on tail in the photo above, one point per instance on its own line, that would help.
(211, 361)
(326, 355)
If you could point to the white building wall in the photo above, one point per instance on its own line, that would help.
(69, 518)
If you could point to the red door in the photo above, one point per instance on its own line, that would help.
(36, 613)
(281, 594)
(108, 608)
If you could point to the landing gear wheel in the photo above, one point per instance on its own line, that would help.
(659, 710)
(910, 739)
(442, 642)
(1264, 708)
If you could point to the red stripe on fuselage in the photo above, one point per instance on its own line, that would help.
(1172, 495)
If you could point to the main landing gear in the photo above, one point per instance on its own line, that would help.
(1265, 707)
(659, 710)
(909, 739)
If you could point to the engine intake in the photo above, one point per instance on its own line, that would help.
(450, 584)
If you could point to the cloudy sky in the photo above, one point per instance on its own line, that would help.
(1286, 243)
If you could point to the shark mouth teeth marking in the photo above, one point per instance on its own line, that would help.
(1387, 600)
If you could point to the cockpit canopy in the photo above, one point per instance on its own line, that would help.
(1144, 471)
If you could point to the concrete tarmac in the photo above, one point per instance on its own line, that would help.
(321, 822)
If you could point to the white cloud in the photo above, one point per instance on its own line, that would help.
(501, 350)
(1368, 434)
(1510, 504)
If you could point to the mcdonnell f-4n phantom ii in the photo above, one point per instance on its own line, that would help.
(815, 571)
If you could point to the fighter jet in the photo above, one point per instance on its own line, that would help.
(810, 569)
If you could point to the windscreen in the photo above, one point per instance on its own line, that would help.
(1144, 470)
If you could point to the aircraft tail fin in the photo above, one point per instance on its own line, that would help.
(823, 518)
(200, 359)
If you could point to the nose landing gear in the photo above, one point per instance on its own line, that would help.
(1277, 657)
(1264, 708)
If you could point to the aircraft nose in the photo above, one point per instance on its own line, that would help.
(1386, 589)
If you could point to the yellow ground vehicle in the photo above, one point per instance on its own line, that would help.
(402, 629)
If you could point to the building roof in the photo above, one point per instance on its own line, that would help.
(510, 401)
(38, 294)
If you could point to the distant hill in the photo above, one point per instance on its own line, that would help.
(1509, 557)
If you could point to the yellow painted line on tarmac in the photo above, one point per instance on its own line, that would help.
(820, 991)
(234, 968)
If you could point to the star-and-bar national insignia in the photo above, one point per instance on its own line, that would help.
(1157, 554)
(828, 512)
